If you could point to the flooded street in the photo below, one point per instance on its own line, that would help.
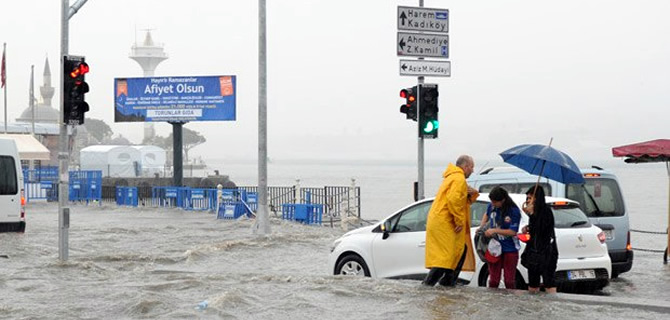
(160, 263)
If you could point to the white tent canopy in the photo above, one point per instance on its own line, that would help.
(29, 147)
(114, 161)
(152, 159)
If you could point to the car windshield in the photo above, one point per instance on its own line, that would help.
(570, 217)
(598, 197)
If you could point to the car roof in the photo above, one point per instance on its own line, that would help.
(519, 198)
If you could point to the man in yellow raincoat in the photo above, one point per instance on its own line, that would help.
(448, 226)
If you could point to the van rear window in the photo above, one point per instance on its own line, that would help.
(598, 197)
(515, 187)
(8, 181)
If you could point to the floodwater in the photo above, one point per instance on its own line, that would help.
(129, 263)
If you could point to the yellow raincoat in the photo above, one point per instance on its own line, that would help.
(451, 207)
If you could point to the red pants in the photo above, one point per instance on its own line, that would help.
(507, 262)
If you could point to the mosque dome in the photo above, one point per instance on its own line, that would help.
(43, 113)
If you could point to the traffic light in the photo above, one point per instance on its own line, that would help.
(74, 89)
(428, 121)
(409, 108)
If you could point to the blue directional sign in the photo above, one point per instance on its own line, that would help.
(179, 99)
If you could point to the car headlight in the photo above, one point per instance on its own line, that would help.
(335, 244)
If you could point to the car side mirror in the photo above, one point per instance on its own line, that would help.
(386, 226)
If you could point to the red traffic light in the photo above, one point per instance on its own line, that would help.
(404, 93)
(80, 70)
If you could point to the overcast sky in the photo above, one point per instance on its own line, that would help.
(590, 74)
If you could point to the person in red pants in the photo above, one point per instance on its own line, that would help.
(502, 218)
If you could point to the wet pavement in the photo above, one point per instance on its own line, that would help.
(161, 263)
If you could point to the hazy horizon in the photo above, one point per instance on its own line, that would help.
(592, 75)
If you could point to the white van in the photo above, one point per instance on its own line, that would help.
(12, 201)
(599, 197)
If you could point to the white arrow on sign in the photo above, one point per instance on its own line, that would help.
(423, 19)
(427, 68)
(423, 45)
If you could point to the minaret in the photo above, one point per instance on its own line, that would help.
(46, 90)
(148, 55)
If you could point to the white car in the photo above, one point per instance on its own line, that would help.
(395, 246)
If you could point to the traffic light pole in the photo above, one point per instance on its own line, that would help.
(420, 175)
(63, 142)
(420, 158)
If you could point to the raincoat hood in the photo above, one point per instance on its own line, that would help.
(452, 169)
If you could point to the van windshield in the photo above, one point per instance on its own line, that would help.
(598, 197)
(8, 183)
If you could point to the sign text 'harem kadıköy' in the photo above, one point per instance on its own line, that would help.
(210, 98)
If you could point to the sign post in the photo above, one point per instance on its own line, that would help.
(425, 34)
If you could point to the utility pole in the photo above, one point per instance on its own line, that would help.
(262, 224)
(420, 149)
(63, 142)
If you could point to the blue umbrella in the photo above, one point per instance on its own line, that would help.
(545, 161)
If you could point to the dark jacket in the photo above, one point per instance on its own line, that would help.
(542, 233)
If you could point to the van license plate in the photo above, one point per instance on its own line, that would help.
(581, 274)
(608, 234)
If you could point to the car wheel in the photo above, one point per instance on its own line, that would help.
(352, 265)
(615, 275)
(483, 280)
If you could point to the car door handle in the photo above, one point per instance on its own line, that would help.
(422, 244)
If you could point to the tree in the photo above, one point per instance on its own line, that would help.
(98, 129)
(120, 140)
(191, 139)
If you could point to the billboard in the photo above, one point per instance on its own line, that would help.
(178, 99)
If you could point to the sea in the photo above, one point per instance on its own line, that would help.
(158, 263)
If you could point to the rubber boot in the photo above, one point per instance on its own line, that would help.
(433, 276)
(448, 278)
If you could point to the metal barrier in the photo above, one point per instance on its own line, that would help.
(231, 211)
(41, 174)
(85, 186)
(41, 190)
(200, 199)
(276, 196)
(303, 213)
(168, 197)
(126, 196)
(664, 252)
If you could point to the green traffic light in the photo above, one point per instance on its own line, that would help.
(431, 126)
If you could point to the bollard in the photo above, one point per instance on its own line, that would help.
(219, 197)
(296, 199)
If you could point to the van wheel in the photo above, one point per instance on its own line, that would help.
(615, 274)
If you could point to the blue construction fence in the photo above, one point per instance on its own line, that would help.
(127, 196)
(42, 185)
(199, 199)
(303, 213)
(85, 186)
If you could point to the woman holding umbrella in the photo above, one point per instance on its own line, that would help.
(541, 253)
